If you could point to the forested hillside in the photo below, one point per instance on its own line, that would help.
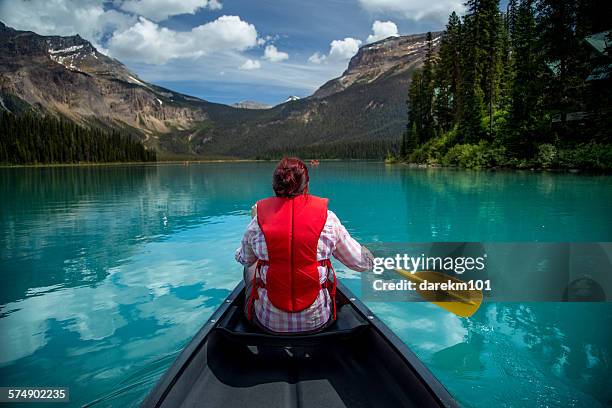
(376, 149)
(33, 139)
(527, 87)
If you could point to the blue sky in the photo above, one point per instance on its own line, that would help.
(231, 50)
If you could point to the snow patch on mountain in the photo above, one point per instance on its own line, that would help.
(66, 50)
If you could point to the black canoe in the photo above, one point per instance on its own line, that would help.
(356, 362)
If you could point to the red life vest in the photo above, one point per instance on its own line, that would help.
(291, 228)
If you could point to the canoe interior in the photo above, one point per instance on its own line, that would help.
(351, 365)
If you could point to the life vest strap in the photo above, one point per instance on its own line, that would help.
(330, 285)
(257, 283)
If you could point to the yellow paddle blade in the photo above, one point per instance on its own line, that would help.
(445, 291)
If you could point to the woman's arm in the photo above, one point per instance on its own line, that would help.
(244, 254)
(347, 250)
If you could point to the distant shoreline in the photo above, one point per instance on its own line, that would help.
(182, 162)
(415, 166)
(129, 163)
(421, 166)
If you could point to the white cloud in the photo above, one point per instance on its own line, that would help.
(436, 11)
(250, 65)
(272, 54)
(316, 58)
(64, 17)
(343, 49)
(214, 5)
(147, 42)
(159, 10)
(339, 50)
(382, 30)
(227, 32)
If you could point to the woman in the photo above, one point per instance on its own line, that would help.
(287, 248)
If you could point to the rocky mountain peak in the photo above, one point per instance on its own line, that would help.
(292, 98)
(72, 52)
(68, 76)
(390, 56)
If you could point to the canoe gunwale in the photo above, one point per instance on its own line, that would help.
(163, 387)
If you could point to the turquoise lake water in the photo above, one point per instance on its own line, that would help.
(107, 271)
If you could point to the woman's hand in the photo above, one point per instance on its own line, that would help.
(254, 210)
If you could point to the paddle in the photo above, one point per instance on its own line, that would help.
(463, 303)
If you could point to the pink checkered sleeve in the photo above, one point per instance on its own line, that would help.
(245, 254)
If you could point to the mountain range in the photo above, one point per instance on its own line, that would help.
(68, 77)
(251, 105)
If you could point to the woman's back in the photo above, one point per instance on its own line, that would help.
(287, 248)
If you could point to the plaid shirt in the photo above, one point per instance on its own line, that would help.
(334, 240)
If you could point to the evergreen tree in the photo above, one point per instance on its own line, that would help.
(526, 101)
(506, 71)
(421, 97)
(412, 139)
(427, 92)
(490, 24)
(510, 15)
(448, 75)
(561, 50)
(470, 128)
(403, 146)
(415, 108)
